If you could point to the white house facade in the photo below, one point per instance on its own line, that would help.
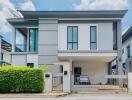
(81, 43)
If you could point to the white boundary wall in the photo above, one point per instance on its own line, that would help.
(130, 82)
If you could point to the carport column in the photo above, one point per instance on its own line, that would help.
(66, 77)
(119, 47)
(48, 82)
(130, 82)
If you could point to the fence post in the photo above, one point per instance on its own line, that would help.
(48, 82)
(130, 82)
(66, 77)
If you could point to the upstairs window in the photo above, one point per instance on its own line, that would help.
(72, 37)
(33, 40)
(128, 51)
(93, 37)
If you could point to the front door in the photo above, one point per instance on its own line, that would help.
(77, 73)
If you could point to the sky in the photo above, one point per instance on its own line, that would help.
(57, 5)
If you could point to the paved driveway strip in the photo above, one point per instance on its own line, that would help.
(81, 97)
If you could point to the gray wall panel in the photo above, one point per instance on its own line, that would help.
(48, 41)
(105, 36)
(48, 37)
(48, 49)
(47, 59)
(48, 27)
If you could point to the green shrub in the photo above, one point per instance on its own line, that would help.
(15, 79)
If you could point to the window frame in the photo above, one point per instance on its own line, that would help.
(96, 37)
(128, 54)
(72, 43)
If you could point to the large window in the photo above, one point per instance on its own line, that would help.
(93, 37)
(21, 40)
(33, 40)
(72, 37)
(26, 40)
(128, 51)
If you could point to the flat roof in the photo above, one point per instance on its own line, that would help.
(31, 17)
(74, 14)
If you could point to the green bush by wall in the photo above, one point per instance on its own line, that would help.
(21, 80)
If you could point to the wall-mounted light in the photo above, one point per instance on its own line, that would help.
(65, 72)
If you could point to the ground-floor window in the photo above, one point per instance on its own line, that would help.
(31, 65)
(79, 78)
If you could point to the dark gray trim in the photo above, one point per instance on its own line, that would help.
(23, 22)
(21, 53)
(74, 14)
(114, 35)
(127, 35)
(87, 21)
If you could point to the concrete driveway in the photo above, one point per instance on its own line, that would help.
(81, 97)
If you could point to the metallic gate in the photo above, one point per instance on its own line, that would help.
(57, 82)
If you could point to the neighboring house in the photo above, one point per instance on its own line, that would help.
(84, 42)
(127, 51)
(5, 49)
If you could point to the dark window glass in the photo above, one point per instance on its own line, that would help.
(75, 38)
(123, 51)
(93, 37)
(31, 65)
(2, 56)
(69, 46)
(33, 40)
(77, 71)
(128, 51)
(72, 35)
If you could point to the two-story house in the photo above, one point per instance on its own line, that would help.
(127, 51)
(86, 40)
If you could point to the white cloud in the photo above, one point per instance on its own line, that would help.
(4, 14)
(101, 5)
(27, 5)
(6, 3)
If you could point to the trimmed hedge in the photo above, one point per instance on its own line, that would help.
(21, 80)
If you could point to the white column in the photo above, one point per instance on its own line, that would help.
(66, 77)
(13, 39)
(130, 82)
(48, 82)
(0, 46)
